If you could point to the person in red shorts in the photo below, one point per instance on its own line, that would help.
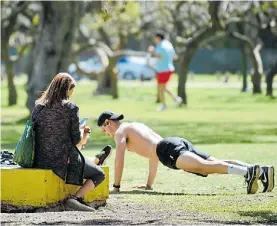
(165, 55)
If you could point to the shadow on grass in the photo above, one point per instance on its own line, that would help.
(100, 221)
(267, 217)
(84, 222)
(259, 217)
(140, 192)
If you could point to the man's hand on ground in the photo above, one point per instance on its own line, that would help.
(144, 187)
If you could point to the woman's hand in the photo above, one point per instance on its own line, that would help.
(86, 133)
(87, 129)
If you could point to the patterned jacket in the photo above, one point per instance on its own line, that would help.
(56, 134)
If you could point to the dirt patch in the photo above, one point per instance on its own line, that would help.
(119, 212)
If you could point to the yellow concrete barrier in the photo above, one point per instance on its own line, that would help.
(40, 188)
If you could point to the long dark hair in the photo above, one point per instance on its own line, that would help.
(57, 91)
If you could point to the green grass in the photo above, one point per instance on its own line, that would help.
(213, 115)
(221, 121)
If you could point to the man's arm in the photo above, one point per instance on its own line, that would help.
(120, 141)
(153, 166)
(156, 55)
(175, 57)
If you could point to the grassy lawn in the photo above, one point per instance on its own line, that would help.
(223, 122)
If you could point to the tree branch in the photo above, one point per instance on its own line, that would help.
(20, 53)
(20, 6)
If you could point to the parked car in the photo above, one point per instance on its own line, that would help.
(89, 65)
(132, 68)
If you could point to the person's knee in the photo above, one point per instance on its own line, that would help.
(98, 178)
(197, 168)
(102, 177)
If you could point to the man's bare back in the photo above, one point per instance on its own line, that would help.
(140, 139)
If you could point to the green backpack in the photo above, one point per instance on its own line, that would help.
(25, 149)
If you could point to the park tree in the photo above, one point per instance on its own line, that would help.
(110, 25)
(208, 20)
(17, 28)
(254, 17)
(58, 24)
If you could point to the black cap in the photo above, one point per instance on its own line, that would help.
(108, 115)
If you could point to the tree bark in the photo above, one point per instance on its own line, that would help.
(269, 80)
(257, 64)
(113, 72)
(52, 51)
(244, 68)
(12, 94)
(183, 79)
(187, 56)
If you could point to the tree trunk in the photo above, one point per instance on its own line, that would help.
(269, 80)
(12, 94)
(59, 20)
(103, 83)
(257, 63)
(113, 72)
(183, 79)
(244, 69)
(258, 70)
(187, 56)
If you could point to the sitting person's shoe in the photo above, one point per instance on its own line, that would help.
(78, 204)
(251, 179)
(267, 178)
(104, 155)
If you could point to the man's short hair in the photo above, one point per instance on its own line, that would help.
(160, 35)
(110, 116)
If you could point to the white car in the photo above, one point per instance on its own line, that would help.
(132, 68)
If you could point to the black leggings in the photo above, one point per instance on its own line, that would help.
(93, 172)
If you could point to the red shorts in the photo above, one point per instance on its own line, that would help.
(163, 77)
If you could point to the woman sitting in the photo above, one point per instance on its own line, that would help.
(58, 139)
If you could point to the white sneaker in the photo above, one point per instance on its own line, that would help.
(162, 107)
(178, 101)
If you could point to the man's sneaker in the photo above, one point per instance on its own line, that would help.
(104, 155)
(78, 204)
(178, 101)
(251, 179)
(267, 178)
(162, 107)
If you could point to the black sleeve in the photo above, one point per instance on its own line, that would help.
(75, 125)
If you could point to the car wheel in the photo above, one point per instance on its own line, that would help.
(129, 75)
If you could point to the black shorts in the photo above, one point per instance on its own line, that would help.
(170, 148)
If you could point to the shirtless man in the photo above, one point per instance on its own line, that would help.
(175, 153)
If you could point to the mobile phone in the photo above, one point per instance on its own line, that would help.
(83, 121)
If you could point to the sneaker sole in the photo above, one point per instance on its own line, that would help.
(271, 179)
(254, 186)
(109, 155)
(74, 206)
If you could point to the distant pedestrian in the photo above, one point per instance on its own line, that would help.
(165, 55)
